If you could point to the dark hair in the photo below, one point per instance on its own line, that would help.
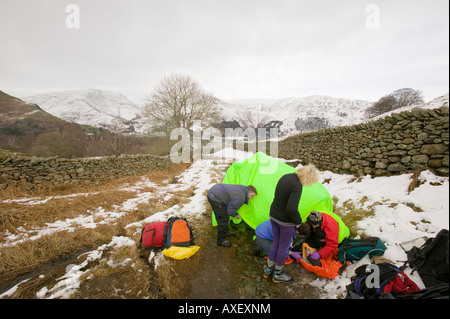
(252, 189)
(303, 230)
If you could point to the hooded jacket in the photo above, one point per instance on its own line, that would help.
(331, 229)
(231, 195)
(284, 208)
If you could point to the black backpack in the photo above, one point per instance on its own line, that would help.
(359, 288)
(430, 260)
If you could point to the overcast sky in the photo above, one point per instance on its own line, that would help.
(234, 48)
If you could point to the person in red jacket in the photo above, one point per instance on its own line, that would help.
(324, 236)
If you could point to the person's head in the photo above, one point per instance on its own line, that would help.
(251, 191)
(314, 219)
(308, 175)
(303, 230)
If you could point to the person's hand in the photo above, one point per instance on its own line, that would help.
(315, 255)
(238, 216)
(296, 255)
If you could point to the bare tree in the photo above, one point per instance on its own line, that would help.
(249, 119)
(177, 101)
(407, 96)
(116, 138)
(395, 100)
(385, 104)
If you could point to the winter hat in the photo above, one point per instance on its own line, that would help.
(314, 218)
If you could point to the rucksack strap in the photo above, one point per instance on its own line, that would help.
(140, 240)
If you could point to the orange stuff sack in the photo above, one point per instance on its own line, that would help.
(330, 265)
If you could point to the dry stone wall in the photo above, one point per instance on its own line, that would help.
(399, 143)
(35, 171)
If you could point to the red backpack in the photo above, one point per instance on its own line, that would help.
(153, 235)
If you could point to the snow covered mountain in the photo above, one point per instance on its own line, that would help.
(105, 108)
(93, 107)
(299, 113)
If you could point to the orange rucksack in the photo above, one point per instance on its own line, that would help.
(178, 232)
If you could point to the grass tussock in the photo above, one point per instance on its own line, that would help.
(174, 276)
(415, 181)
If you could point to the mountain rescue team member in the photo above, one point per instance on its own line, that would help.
(324, 236)
(284, 216)
(225, 200)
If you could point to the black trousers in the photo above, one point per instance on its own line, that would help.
(222, 218)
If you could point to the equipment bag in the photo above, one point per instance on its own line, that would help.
(178, 232)
(152, 236)
(431, 260)
(361, 285)
(356, 249)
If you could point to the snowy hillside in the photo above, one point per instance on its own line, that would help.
(103, 108)
(93, 107)
(334, 111)
(434, 103)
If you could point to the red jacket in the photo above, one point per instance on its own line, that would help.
(331, 229)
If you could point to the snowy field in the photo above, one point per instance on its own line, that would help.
(398, 216)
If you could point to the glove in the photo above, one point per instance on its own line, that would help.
(296, 255)
(314, 259)
(315, 255)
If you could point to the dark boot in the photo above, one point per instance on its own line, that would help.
(224, 243)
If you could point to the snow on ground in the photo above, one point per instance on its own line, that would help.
(398, 216)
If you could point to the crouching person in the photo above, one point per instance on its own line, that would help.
(264, 239)
(324, 236)
(225, 201)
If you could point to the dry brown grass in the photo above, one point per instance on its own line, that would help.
(415, 182)
(31, 254)
(14, 215)
(174, 277)
(351, 215)
(130, 277)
